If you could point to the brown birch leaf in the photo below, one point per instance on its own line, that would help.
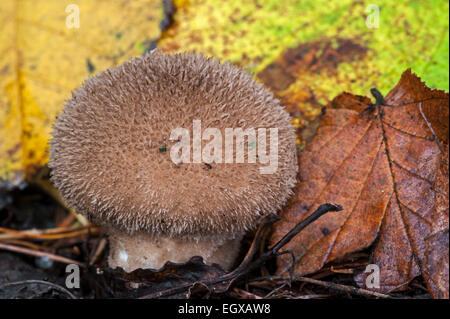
(387, 166)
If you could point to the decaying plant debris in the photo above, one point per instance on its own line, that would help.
(24, 274)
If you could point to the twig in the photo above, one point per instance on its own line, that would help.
(39, 282)
(24, 243)
(47, 234)
(270, 294)
(37, 253)
(348, 289)
(68, 220)
(274, 251)
(431, 128)
(321, 210)
(99, 249)
(326, 284)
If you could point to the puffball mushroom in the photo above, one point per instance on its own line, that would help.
(111, 159)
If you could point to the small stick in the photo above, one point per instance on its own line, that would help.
(349, 289)
(36, 253)
(101, 246)
(49, 234)
(24, 243)
(431, 128)
(321, 210)
(326, 284)
(39, 282)
(67, 221)
(270, 294)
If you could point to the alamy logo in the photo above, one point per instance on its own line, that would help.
(373, 278)
(73, 17)
(373, 18)
(73, 277)
(221, 149)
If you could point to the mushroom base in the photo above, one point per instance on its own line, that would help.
(144, 251)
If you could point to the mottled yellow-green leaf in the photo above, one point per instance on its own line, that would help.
(42, 61)
(331, 48)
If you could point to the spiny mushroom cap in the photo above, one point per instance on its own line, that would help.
(108, 155)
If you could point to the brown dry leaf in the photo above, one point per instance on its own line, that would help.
(384, 166)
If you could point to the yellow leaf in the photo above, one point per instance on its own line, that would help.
(44, 56)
